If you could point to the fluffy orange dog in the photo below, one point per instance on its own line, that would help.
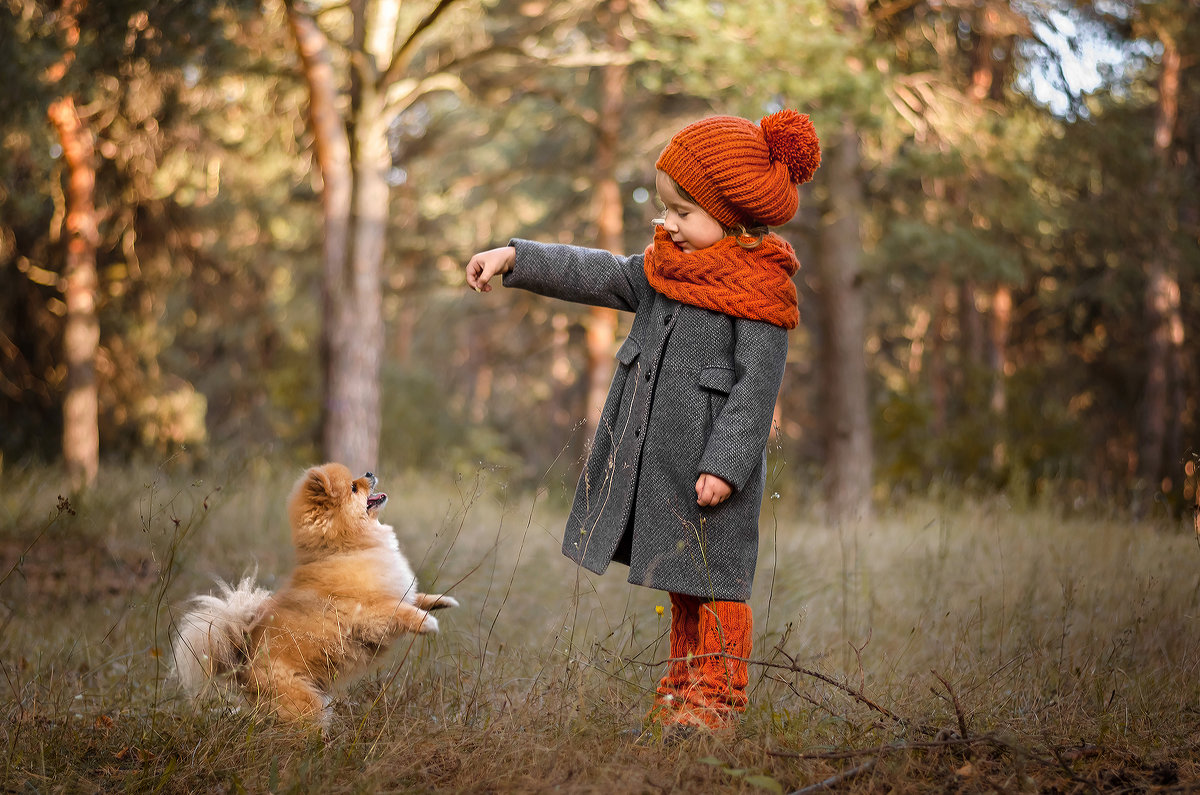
(351, 594)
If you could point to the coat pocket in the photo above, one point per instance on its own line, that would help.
(717, 379)
(716, 383)
(628, 351)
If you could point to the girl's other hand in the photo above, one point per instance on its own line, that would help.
(486, 264)
(711, 490)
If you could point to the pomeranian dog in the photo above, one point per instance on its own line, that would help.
(350, 596)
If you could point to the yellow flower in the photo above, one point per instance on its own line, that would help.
(658, 609)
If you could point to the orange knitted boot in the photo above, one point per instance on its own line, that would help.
(717, 690)
(685, 637)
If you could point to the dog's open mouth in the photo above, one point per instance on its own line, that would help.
(376, 501)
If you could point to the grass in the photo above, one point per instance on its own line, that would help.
(965, 646)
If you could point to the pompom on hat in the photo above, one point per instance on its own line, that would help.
(741, 172)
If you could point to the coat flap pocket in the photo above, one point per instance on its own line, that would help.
(628, 351)
(718, 379)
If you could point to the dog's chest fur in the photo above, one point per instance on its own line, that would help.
(341, 601)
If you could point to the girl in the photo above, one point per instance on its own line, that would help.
(674, 481)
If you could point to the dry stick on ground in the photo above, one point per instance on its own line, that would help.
(962, 721)
(881, 750)
(835, 779)
(811, 700)
(792, 667)
(855, 693)
(1059, 762)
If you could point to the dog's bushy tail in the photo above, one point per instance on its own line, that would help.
(210, 638)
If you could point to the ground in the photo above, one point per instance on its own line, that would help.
(970, 645)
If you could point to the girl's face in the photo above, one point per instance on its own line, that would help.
(690, 227)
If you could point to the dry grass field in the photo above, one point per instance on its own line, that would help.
(957, 646)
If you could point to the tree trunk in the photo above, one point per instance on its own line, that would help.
(1158, 298)
(81, 335)
(355, 198)
(352, 435)
(845, 414)
(355, 160)
(332, 151)
(1000, 328)
(939, 364)
(970, 325)
(602, 322)
(1164, 327)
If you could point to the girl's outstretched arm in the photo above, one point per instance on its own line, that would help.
(581, 275)
(486, 264)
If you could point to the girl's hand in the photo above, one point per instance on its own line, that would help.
(486, 264)
(711, 490)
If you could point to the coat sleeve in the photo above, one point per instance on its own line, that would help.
(582, 275)
(743, 426)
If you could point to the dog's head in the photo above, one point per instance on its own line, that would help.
(331, 509)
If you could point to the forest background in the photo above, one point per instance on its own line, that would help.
(234, 230)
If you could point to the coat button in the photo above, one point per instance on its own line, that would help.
(637, 433)
(647, 377)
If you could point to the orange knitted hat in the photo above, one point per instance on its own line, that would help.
(741, 172)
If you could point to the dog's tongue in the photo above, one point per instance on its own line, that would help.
(376, 499)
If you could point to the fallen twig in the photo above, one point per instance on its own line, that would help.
(792, 667)
(880, 750)
(962, 721)
(836, 779)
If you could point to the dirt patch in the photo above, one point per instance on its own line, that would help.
(71, 568)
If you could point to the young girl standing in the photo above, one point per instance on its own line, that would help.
(674, 481)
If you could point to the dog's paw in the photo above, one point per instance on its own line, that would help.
(429, 626)
(444, 601)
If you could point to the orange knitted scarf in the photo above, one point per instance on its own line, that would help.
(752, 283)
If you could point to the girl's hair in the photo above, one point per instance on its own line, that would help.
(747, 236)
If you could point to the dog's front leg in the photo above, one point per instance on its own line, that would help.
(409, 618)
(435, 601)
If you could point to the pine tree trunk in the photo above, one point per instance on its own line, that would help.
(845, 415)
(1164, 326)
(1000, 329)
(352, 434)
(970, 326)
(939, 365)
(332, 151)
(355, 198)
(81, 335)
(602, 322)
(1160, 288)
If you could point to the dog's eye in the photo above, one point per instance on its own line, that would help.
(354, 488)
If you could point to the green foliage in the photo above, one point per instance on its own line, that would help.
(209, 231)
(422, 433)
(197, 180)
(1032, 450)
(749, 57)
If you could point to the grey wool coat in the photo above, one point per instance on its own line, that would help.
(694, 391)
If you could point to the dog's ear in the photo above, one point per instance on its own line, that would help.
(318, 486)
